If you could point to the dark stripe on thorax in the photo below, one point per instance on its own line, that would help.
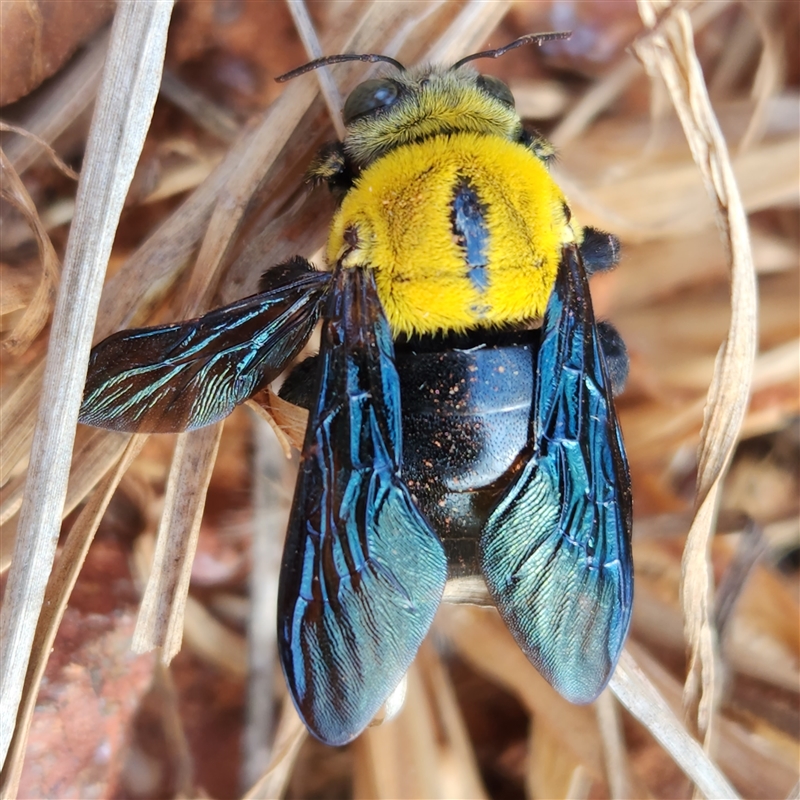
(468, 218)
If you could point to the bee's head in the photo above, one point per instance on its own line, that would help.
(412, 104)
(384, 113)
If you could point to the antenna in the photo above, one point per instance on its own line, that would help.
(531, 38)
(371, 58)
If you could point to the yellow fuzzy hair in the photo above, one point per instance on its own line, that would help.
(399, 216)
(433, 99)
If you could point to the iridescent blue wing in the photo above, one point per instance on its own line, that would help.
(363, 573)
(555, 551)
(180, 377)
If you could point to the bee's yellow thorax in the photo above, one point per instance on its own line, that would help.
(461, 231)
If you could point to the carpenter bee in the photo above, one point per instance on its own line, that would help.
(461, 406)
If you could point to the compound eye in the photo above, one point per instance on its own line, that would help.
(367, 97)
(496, 88)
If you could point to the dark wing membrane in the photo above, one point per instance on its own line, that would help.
(363, 573)
(556, 550)
(180, 377)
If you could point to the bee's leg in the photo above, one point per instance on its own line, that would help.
(599, 250)
(280, 274)
(541, 148)
(332, 166)
(300, 386)
(616, 355)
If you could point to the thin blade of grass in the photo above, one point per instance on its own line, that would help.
(272, 496)
(618, 771)
(122, 117)
(210, 116)
(43, 146)
(757, 763)
(160, 622)
(328, 88)
(94, 453)
(460, 774)
(288, 740)
(640, 697)
(38, 311)
(671, 51)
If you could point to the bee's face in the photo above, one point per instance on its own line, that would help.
(384, 113)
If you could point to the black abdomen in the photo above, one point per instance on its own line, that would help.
(466, 416)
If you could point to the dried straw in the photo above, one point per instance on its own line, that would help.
(124, 108)
(671, 50)
(624, 170)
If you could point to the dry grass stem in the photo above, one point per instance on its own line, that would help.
(763, 771)
(43, 145)
(290, 736)
(272, 494)
(427, 732)
(17, 419)
(94, 453)
(308, 35)
(38, 311)
(124, 106)
(476, 21)
(160, 622)
(639, 696)
(752, 546)
(620, 783)
(671, 50)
